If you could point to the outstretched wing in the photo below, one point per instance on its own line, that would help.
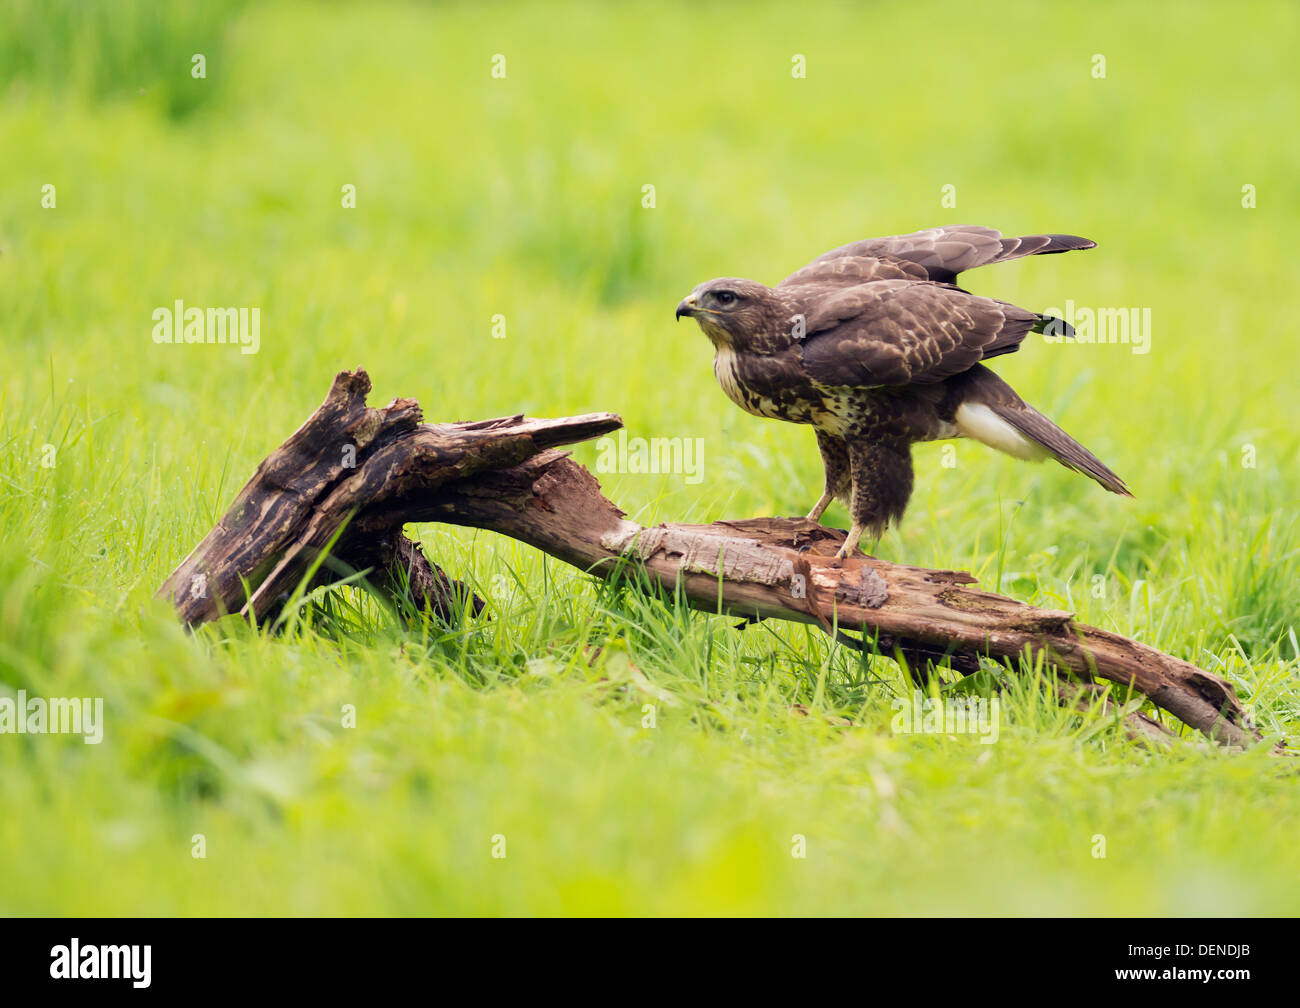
(895, 332)
(936, 254)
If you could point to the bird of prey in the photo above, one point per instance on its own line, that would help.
(876, 347)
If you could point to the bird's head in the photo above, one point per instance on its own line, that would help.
(732, 312)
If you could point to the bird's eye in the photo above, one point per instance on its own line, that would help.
(725, 297)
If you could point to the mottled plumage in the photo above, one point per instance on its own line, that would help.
(874, 346)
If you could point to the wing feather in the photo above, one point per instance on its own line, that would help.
(938, 254)
(896, 332)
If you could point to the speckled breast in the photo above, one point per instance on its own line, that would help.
(775, 386)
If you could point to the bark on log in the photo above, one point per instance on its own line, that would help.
(344, 485)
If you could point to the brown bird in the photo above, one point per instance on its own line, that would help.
(876, 347)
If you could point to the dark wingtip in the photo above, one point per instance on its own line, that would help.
(1051, 326)
(1067, 243)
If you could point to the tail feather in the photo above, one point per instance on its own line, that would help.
(1033, 425)
(993, 413)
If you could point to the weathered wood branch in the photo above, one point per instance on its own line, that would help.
(344, 485)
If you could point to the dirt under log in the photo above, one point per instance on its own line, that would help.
(334, 498)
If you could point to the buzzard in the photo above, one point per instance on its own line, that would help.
(876, 347)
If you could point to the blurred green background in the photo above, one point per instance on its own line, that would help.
(522, 196)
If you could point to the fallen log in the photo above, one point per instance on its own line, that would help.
(334, 498)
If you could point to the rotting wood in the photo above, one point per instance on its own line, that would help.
(353, 476)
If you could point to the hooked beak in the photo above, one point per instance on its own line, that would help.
(687, 307)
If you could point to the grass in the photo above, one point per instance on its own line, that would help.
(522, 197)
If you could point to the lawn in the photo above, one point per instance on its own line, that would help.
(504, 255)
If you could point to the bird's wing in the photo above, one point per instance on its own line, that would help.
(895, 332)
(936, 254)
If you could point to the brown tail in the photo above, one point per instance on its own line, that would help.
(1033, 425)
(981, 386)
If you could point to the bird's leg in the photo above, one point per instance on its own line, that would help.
(881, 485)
(835, 459)
(850, 544)
(816, 513)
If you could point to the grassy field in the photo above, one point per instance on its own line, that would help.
(523, 196)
